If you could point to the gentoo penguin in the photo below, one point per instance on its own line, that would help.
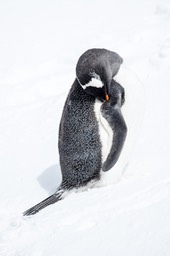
(92, 129)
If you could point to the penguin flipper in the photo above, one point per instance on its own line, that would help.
(116, 121)
(49, 200)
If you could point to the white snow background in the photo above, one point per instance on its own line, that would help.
(40, 43)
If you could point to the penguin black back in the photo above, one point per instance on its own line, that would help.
(79, 146)
(79, 142)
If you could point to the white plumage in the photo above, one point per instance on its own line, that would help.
(132, 111)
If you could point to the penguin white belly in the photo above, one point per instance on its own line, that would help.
(132, 111)
(105, 131)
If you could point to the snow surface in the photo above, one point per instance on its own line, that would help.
(40, 42)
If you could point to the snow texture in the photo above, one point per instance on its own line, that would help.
(40, 44)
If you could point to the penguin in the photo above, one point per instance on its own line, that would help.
(92, 129)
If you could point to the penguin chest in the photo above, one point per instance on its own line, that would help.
(106, 137)
(105, 131)
(132, 111)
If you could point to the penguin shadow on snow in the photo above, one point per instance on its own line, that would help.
(50, 179)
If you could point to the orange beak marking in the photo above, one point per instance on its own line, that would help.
(107, 97)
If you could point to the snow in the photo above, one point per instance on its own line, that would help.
(39, 47)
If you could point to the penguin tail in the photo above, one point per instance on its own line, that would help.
(49, 200)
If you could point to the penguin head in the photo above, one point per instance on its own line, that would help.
(95, 70)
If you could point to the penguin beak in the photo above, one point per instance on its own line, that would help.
(107, 92)
(107, 97)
